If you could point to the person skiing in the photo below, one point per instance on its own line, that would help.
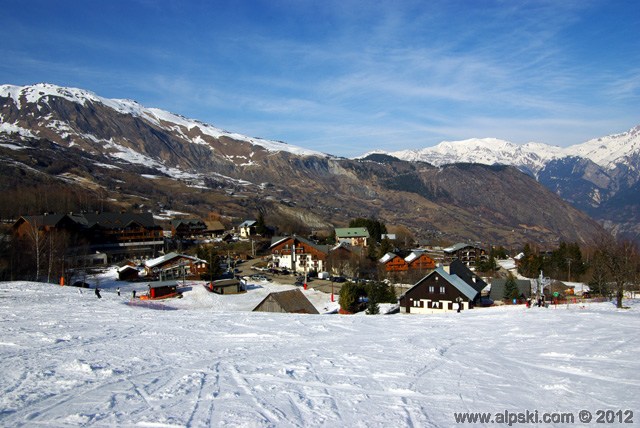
(133, 294)
(459, 300)
(118, 290)
(98, 292)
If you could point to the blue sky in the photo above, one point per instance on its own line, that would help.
(346, 77)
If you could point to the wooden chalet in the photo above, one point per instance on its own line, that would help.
(394, 263)
(188, 228)
(420, 261)
(468, 254)
(290, 301)
(128, 273)
(439, 291)
(356, 236)
(298, 254)
(174, 265)
(115, 234)
(416, 261)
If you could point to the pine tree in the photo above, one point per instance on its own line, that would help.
(510, 288)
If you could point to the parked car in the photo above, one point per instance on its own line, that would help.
(338, 279)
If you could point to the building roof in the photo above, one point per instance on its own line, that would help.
(215, 225)
(170, 256)
(247, 223)
(187, 221)
(387, 257)
(292, 301)
(352, 232)
(457, 247)
(160, 284)
(90, 220)
(413, 256)
(277, 240)
(461, 270)
(468, 291)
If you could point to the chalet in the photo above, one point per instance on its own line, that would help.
(114, 234)
(468, 254)
(461, 270)
(188, 228)
(298, 254)
(356, 236)
(174, 265)
(394, 263)
(128, 273)
(419, 261)
(498, 287)
(214, 228)
(247, 228)
(439, 291)
(343, 259)
(290, 301)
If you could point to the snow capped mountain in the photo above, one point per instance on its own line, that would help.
(610, 150)
(43, 93)
(530, 157)
(606, 152)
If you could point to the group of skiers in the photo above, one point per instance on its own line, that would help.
(97, 292)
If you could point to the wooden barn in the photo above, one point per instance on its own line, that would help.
(290, 301)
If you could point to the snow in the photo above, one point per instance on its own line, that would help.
(10, 128)
(605, 151)
(42, 91)
(71, 359)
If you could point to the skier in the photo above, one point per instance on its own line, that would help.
(118, 290)
(98, 292)
(459, 300)
(133, 294)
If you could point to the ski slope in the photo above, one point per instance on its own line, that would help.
(71, 359)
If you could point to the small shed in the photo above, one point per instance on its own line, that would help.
(290, 301)
(128, 273)
(163, 289)
(225, 286)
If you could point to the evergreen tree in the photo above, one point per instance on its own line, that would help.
(510, 288)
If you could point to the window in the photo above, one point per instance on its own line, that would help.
(442, 289)
(431, 289)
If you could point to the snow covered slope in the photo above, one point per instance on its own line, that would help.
(69, 359)
(44, 92)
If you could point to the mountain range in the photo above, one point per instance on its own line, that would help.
(600, 176)
(75, 144)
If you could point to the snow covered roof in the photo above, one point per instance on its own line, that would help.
(167, 257)
(414, 255)
(456, 247)
(387, 257)
(247, 223)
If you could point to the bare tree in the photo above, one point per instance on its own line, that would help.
(622, 261)
(38, 240)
